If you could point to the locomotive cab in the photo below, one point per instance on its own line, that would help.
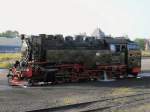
(133, 59)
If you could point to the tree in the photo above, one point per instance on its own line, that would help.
(9, 34)
(140, 42)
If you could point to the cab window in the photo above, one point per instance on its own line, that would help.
(133, 47)
(118, 48)
(112, 48)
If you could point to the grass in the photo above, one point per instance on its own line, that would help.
(123, 91)
(9, 56)
(5, 65)
(6, 59)
(145, 53)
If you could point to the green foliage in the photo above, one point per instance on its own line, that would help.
(9, 34)
(140, 42)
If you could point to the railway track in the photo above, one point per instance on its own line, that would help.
(119, 105)
(93, 106)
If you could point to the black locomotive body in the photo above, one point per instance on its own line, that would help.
(54, 58)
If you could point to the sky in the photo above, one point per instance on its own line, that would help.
(70, 17)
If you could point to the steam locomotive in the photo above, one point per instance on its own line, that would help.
(57, 59)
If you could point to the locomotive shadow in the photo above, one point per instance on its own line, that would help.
(143, 82)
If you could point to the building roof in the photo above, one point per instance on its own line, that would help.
(4, 41)
(116, 40)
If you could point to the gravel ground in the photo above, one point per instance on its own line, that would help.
(18, 99)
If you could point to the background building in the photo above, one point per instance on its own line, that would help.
(10, 45)
(147, 44)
